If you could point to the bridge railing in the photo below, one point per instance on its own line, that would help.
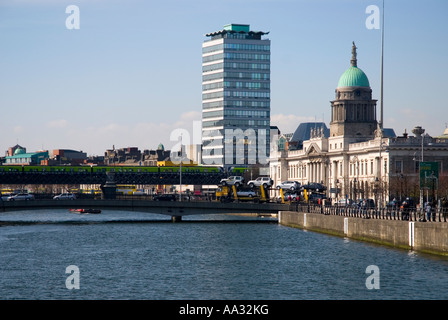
(438, 214)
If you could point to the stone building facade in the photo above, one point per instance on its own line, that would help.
(358, 159)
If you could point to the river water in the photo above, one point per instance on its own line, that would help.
(55, 254)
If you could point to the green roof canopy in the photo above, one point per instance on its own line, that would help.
(237, 27)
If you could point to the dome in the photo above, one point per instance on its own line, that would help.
(161, 147)
(19, 151)
(444, 134)
(353, 77)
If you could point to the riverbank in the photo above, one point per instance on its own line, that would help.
(427, 237)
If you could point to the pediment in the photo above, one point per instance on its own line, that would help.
(313, 150)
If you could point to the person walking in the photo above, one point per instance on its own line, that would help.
(444, 208)
(428, 211)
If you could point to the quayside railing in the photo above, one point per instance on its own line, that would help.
(409, 214)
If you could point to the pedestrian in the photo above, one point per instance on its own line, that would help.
(444, 208)
(405, 209)
(428, 211)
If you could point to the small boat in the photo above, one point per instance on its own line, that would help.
(76, 210)
(85, 210)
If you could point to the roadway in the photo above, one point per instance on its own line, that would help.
(175, 209)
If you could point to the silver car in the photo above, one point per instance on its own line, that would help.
(289, 185)
(65, 196)
(247, 193)
(21, 196)
(265, 181)
(233, 180)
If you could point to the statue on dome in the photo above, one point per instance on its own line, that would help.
(354, 61)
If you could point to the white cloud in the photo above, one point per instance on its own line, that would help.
(57, 124)
(19, 129)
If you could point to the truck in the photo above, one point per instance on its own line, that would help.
(230, 194)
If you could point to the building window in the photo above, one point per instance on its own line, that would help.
(399, 166)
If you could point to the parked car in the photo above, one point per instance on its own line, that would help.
(316, 198)
(315, 187)
(65, 196)
(364, 204)
(368, 203)
(165, 197)
(289, 185)
(21, 196)
(5, 197)
(246, 193)
(233, 180)
(261, 181)
(344, 202)
(293, 197)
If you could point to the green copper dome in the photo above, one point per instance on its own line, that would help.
(353, 77)
(19, 151)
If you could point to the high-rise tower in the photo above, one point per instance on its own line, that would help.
(235, 96)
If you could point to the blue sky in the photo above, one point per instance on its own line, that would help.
(132, 73)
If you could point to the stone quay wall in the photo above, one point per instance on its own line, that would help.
(429, 237)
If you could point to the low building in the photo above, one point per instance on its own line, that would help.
(22, 158)
(65, 157)
(12, 150)
(132, 156)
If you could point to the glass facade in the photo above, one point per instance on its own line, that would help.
(235, 97)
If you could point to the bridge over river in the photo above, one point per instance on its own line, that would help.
(175, 209)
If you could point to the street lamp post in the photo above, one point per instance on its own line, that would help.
(379, 178)
(419, 131)
(180, 179)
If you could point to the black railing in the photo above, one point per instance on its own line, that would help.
(408, 214)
